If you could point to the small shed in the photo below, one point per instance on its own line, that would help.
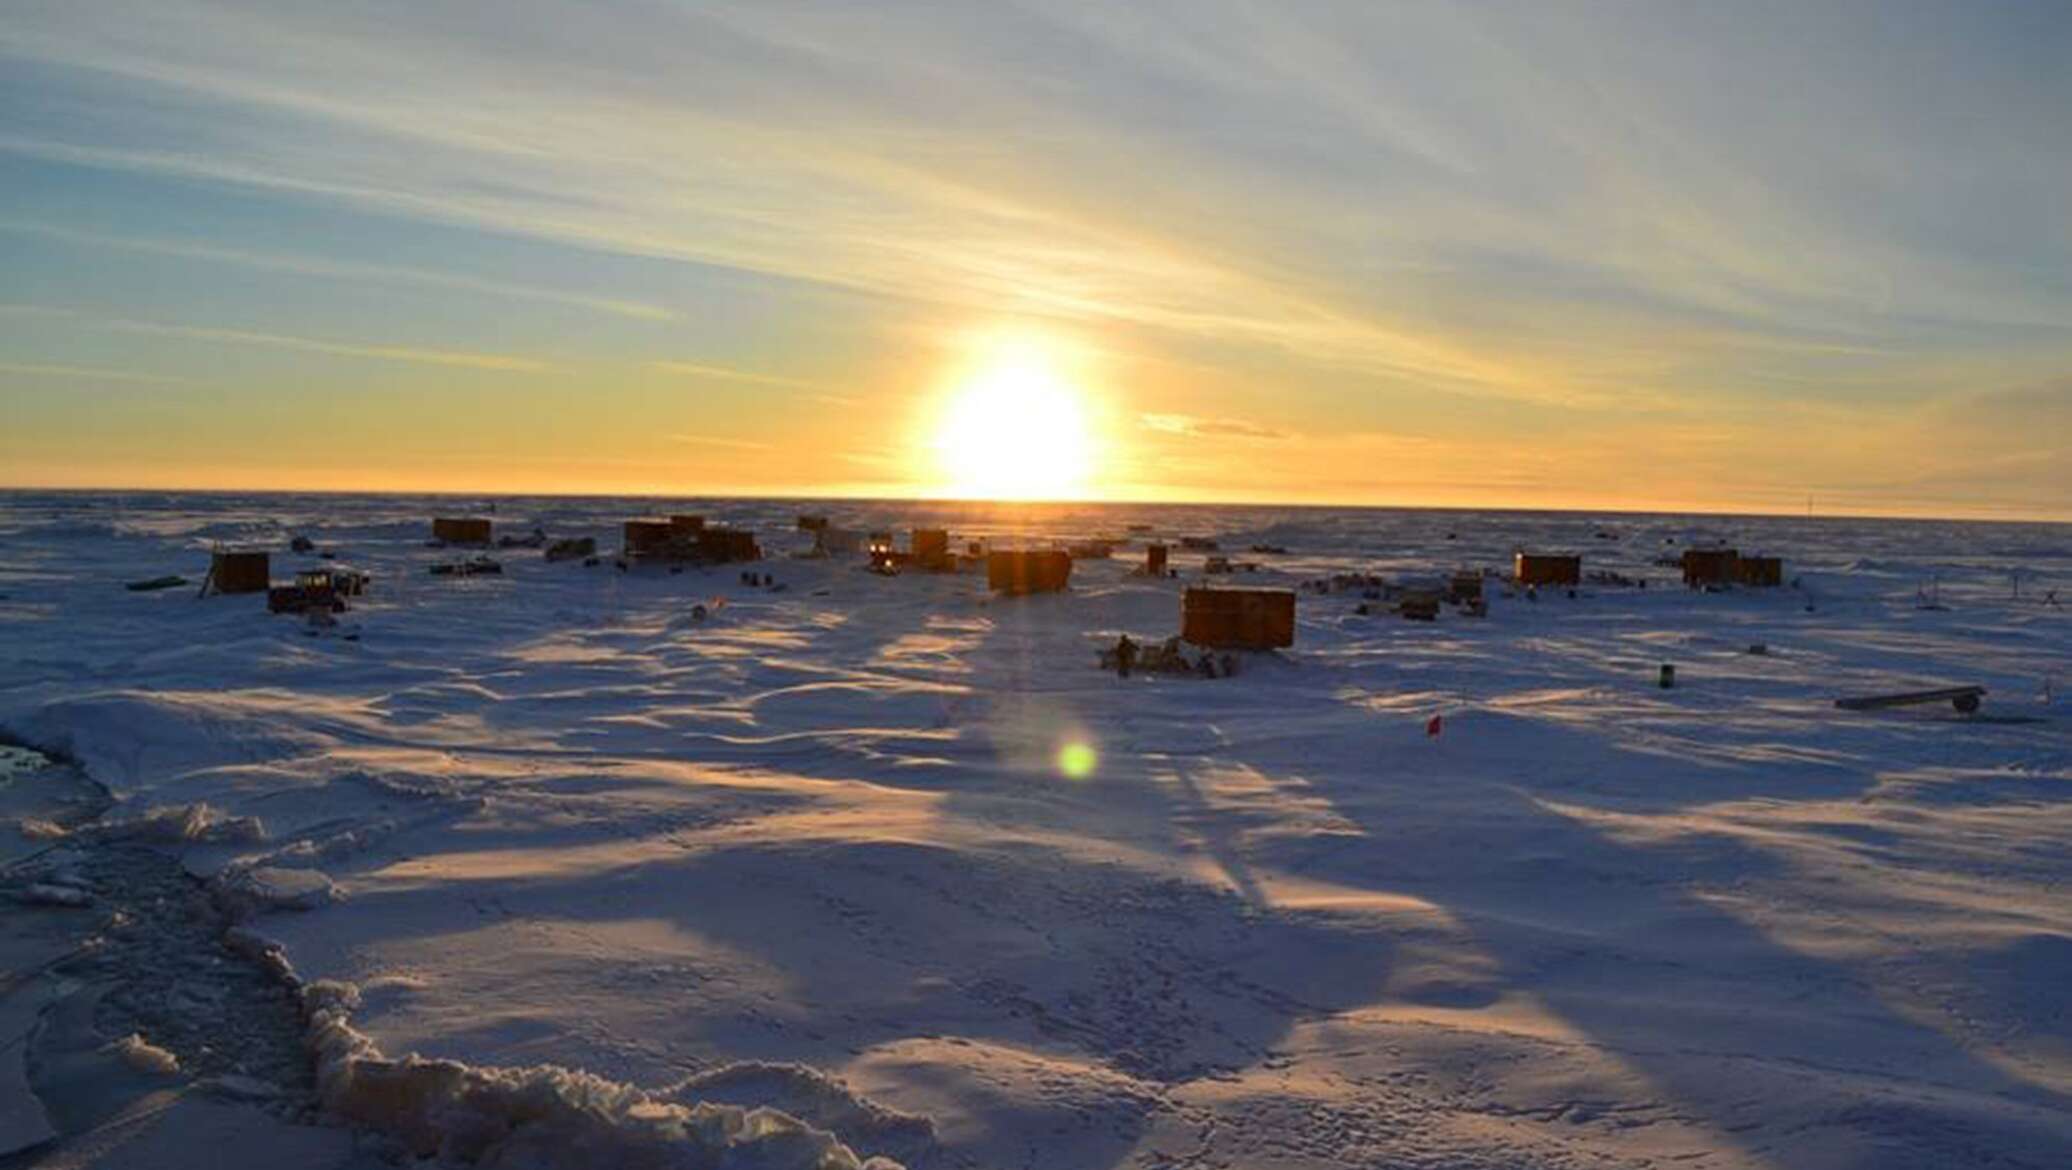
(1710, 566)
(1464, 587)
(648, 537)
(460, 529)
(1028, 570)
(1760, 572)
(1420, 605)
(239, 571)
(723, 545)
(1154, 560)
(1238, 618)
(932, 548)
(1549, 569)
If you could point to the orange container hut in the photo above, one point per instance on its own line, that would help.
(1028, 570)
(1154, 560)
(239, 571)
(1238, 619)
(1760, 572)
(460, 530)
(1548, 569)
(1710, 566)
(932, 548)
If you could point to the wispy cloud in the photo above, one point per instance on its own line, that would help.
(1209, 428)
(340, 269)
(728, 374)
(387, 353)
(719, 441)
(93, 373)
(855, 209)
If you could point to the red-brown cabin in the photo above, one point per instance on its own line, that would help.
(646, 538)
(1238, 618)
(1028, 570)
(1760, 572)
(1710, 566)
(1549, 569)
(240, 571)
(722, 545)
(932, 549)
(460, 529)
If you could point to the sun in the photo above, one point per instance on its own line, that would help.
(1014, 424)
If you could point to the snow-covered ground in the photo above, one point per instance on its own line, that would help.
(816, 851)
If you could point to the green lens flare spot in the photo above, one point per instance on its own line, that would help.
(1077, 761)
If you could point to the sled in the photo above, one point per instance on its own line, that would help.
(1964, 699)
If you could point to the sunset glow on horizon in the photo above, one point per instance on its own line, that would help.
(1756, 258)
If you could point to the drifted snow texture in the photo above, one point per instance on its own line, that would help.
(545, 1116)
(551, 817)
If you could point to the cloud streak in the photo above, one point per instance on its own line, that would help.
(1209, 428)
(93, 374)
(729, 374)
(340, 270)
(719, 441)
(374, 352)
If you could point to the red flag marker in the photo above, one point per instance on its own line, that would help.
(1435, 725)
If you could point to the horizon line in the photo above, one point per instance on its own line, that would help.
(816, 497)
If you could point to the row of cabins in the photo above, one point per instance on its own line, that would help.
(681, 537)
(1713, 567)
(1702, 568)
(1212, 617)
(237, 571)
(689, 538)
(927, 549)
(1264, 619)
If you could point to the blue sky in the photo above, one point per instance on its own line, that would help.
(1645, 255)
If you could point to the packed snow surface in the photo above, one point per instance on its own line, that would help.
(862, 867)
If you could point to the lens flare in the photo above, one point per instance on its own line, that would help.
(1077, 760)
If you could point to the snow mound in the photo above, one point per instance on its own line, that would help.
(270, 887)
(51, 894)
(545, 1115)
(39, 829)
(813, 1096)
(135, 740)
(186, 824)
(144, 1056)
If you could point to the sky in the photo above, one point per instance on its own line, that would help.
(1734, 257)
